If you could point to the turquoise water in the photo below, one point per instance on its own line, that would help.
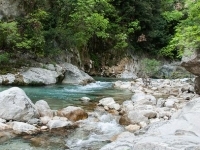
(60, 96)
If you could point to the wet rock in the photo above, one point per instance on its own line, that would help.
(108, 101)
(4, 126)
(21, 127)
(43, 108)
(124, 120)
(6, 135)
(132, 128)
(15, 105)
(85, 99)
(73, 113)
(52, 124)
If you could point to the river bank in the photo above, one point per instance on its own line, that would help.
(163, 103)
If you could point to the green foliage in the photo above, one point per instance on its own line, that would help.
(150, 66)
(86, 22)
(174, 15)
(102, 27)
(4, 58)
(9, 34)
(187, 36)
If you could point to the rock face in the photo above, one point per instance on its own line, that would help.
(10, 8)
(191, 62)
(75, 76)
(15, 105)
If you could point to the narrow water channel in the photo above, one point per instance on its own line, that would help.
(90, 135)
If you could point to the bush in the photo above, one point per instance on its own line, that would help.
(150, 66)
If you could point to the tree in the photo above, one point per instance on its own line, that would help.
(187, 34)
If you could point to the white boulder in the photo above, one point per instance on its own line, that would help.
(15, 105)
(39, 76)
(21, 127)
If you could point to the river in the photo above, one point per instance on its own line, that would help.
(90, 135)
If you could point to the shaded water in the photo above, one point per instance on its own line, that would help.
(94, 132)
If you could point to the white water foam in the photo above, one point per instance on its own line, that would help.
(93, 133)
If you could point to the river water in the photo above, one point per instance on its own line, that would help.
(91, 134)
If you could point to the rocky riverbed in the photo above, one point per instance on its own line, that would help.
(161, 115)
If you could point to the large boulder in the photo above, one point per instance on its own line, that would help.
(40, 76)
(32, 76)
(15, 105)
(191, 61)
(75, 76)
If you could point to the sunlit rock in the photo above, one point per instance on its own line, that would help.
(132, 128)
(142, 98)
(52, 124)
(109, 103)
(39, 76)
(73, 113)
(15, 105)
(21, 127)
(75, 76)
(85, 99)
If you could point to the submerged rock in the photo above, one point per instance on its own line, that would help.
(15, 105)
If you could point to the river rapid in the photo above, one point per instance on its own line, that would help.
(91, 134)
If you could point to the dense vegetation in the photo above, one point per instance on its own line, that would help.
(101, 29)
